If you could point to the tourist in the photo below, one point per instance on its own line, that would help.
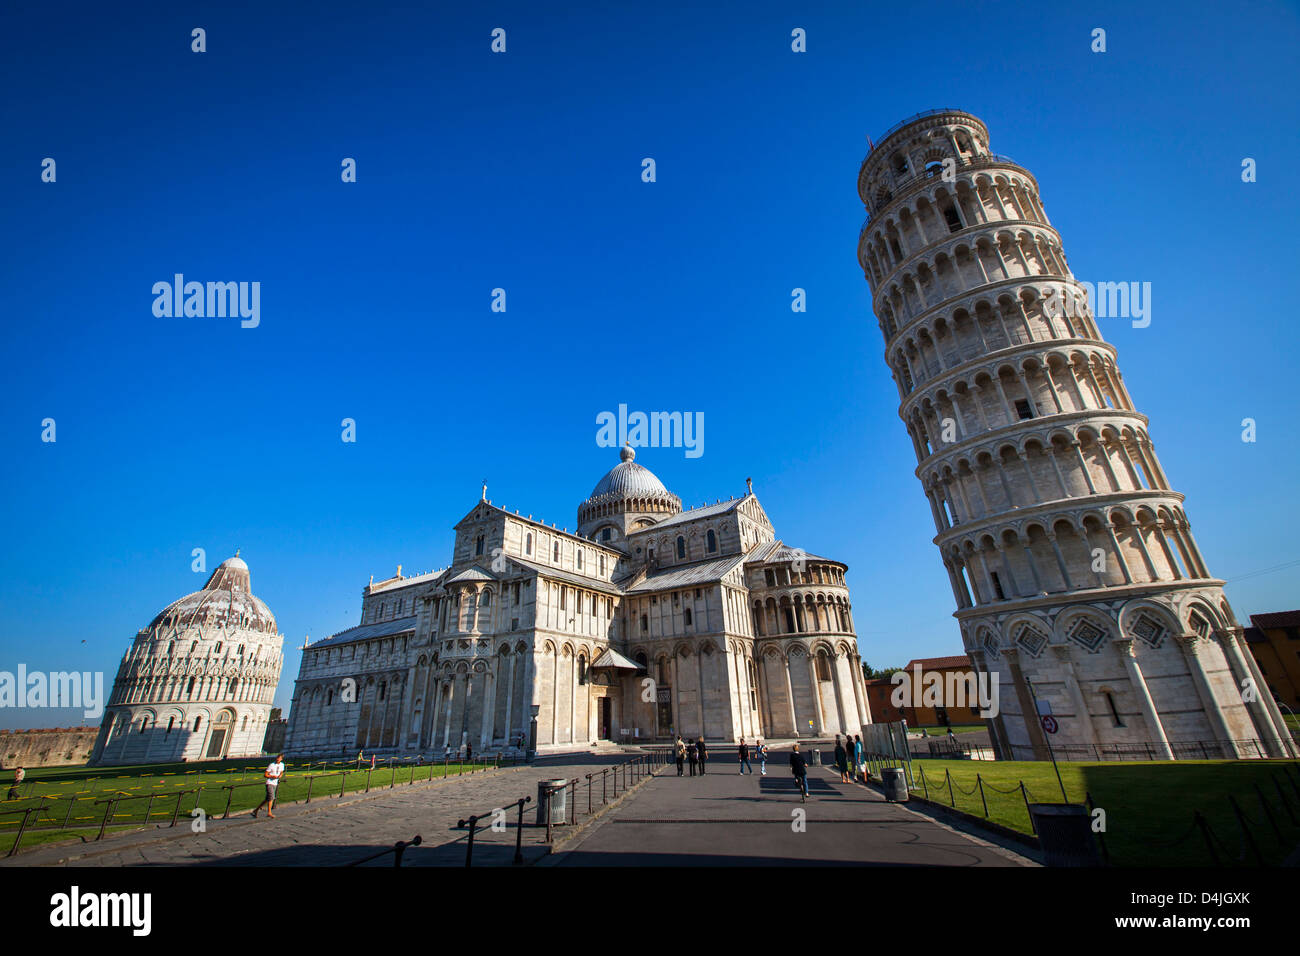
(703, 751)
(857, 755)
(469, 752)
(744, 758)
(692, 756)
(762, 757)
(679, 751)
(800, 771)
(841, 760)
(19, 774)
(273, 774)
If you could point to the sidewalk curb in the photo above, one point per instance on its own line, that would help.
(550, 858)
(943, 811)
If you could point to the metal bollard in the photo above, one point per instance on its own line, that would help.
(519, 832)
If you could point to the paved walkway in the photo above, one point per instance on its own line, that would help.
(724, 819)
(335, 831)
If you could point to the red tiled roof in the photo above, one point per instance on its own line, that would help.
(1276, 619)
(939, 663)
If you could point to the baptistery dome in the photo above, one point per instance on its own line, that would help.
(227, 600)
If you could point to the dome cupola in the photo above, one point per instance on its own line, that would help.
(629, 496)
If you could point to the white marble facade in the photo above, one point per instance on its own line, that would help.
(1071, 558)
(645, 622)
(198, 682)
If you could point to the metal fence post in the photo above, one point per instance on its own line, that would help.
(21, 827)
(1025, 795)
(175, 813)
(108, 810)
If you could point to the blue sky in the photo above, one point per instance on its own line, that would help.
(522, 171)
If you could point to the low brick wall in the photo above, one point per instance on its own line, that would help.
(54, 747)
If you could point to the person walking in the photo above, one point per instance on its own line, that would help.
(800, 770)
(857, 756)
(273, 773)
(14, 791)
(762, 757)
(679, 751)
(703, 752)
(841, 760)
(692, 756)
(744, 758)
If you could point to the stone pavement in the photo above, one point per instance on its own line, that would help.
(336, 831)
(724, 819)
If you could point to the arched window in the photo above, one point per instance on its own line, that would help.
(486, 600)
(604, 535)
(582, 668)
(645, 624)
(681, 547)
(555, 553)
(579, 559)
(602, 564)
(528, 543)
(383, 687)
(712, 540)
(478, 545)
(686, 616)
(823, 667)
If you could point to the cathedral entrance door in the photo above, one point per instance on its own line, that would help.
(606, 717)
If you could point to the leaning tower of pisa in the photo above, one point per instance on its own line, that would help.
(1080, 589)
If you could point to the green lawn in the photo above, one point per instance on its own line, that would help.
(69, 794)
(1149, 805)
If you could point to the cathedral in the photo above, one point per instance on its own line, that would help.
(646, 622)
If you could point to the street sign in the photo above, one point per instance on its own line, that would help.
(1049, 724)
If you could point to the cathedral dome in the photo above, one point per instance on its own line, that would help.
(628, 479)
(628, 496)
(227, 600)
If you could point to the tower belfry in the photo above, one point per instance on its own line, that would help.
(1076, 575)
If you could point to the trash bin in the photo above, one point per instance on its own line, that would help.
(1065, 834)
(558, 801)
(895, 784)
(814, 758)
